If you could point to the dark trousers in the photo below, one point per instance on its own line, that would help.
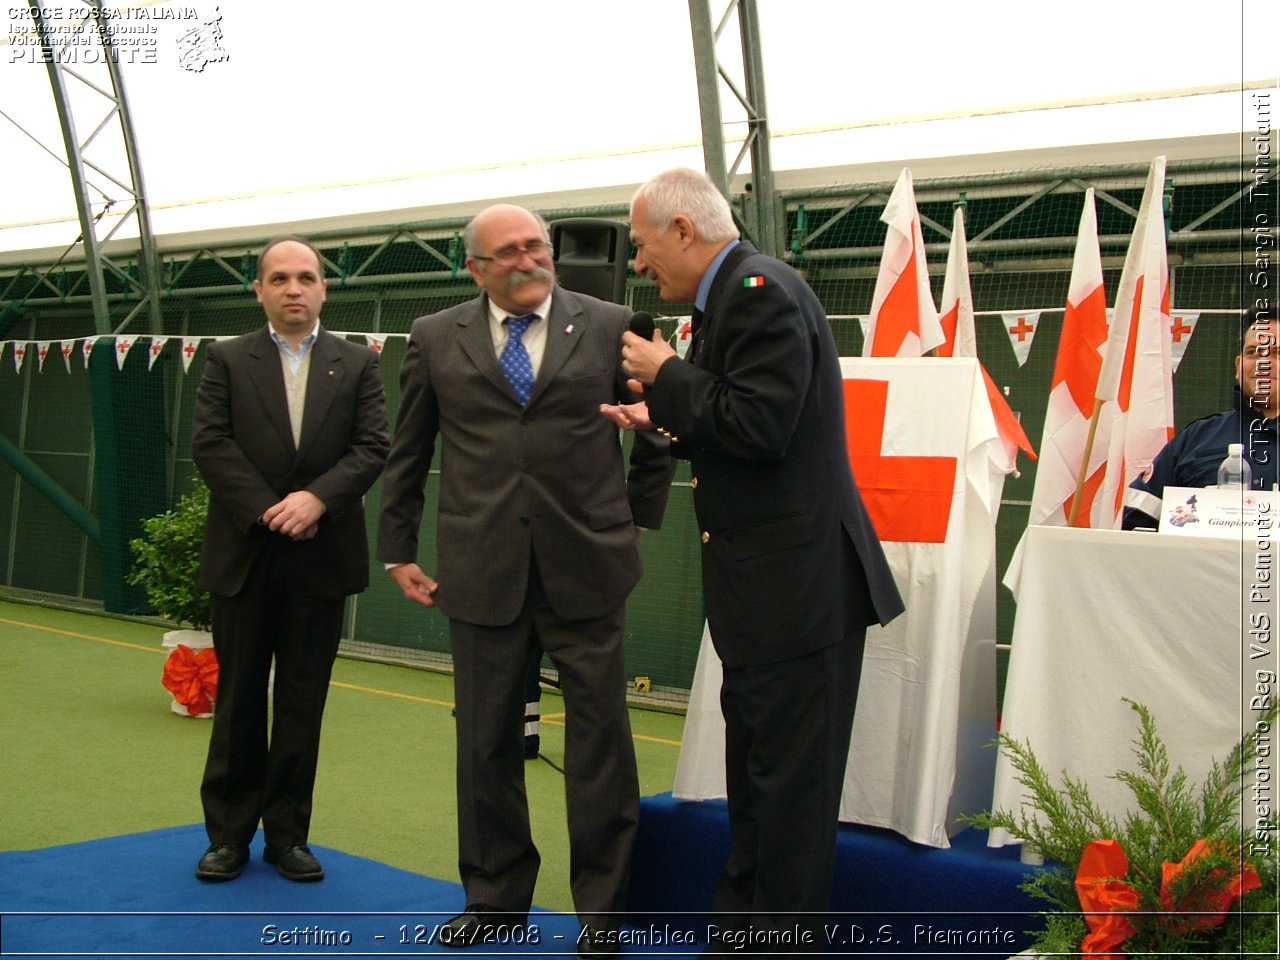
(246, 778)
(497, 858)
(787, 731)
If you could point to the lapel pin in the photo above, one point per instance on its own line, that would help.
(568, 329)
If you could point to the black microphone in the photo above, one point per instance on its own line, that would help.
(642, 325)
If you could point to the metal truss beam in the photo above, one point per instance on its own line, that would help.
(759, 200)
(121, 409)
(63, 44)
(834, 230)
(1006, 215)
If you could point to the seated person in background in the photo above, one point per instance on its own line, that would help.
(1191, 459)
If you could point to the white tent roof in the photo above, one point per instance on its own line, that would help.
(327, 113)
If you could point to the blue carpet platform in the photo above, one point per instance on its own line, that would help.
(891, 897)
(137, 896)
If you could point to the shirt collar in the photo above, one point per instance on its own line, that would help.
(307, 342)
(709, 275)
(498, 315)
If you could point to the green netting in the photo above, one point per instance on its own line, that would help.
(1021, 230)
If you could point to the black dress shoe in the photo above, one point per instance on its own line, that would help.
(295, 863)
(222, 861)
(598, 942)
(477, 926)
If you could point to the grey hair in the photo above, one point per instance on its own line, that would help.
(688, 192)
(472, 247)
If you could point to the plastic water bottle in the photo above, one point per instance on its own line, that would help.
(1234, 472)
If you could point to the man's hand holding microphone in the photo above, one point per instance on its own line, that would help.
(644, 351)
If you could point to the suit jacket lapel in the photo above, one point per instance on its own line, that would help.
(476, 342)
(564, 332)
(268, 380)
(324, 376)
(727, 268)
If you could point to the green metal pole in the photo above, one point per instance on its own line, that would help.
(46, 485)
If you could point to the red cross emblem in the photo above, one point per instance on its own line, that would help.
(909, 498)
(190, 350)
(1180, 329)
(1022, 328)
(156, 347)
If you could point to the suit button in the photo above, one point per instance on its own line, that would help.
(706, 537)
(693, 484)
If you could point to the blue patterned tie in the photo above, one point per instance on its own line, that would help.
(515, 358)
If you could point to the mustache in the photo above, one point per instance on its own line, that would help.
(518, 278)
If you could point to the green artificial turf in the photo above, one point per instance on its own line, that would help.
(92, 749)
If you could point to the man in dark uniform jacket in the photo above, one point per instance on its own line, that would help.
(1192, 458)
(290, 432)
(793, 572)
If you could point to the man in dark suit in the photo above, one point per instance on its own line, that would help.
(792, 570)
(290, 432)
(536, 541)
(1192, 458)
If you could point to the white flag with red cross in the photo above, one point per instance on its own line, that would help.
(154, 351)
(123, 345)
(189, 347)
(962, 341)
(1021, 329)
(1182, 324)
(904, 320)
(1136, 379)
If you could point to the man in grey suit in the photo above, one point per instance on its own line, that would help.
(290, 431)
(537, 540)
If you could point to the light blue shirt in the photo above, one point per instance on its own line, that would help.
(704, 285)
(295, 357)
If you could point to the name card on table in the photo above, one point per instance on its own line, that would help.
(1210, 512)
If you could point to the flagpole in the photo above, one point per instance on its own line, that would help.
(1084, 464)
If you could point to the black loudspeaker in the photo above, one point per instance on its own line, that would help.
(591, 256)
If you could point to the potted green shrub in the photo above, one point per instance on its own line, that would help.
(167, 566)
(1180, 876)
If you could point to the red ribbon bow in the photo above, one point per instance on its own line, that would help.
(1105, 899)
(192, 678)
(1208, 906)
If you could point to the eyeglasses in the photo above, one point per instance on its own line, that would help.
(510, 256)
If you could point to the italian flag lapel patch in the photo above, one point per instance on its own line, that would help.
(756, 281)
